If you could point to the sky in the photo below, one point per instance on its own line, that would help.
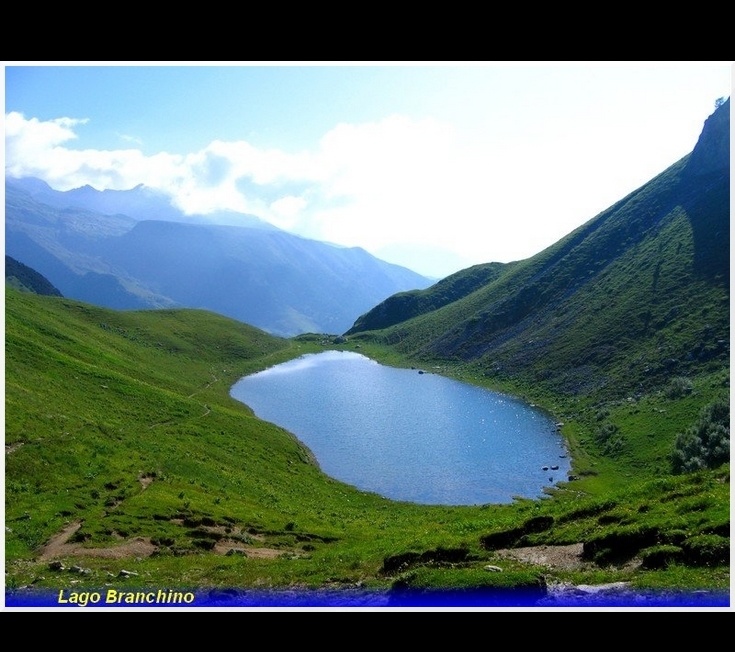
(435, 166)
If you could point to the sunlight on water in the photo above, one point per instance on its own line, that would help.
(406, 435)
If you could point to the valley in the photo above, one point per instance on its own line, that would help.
(128, 464)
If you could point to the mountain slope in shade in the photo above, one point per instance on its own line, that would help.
(258, 274)
(638, 294)
(405, 305)
(24, 278)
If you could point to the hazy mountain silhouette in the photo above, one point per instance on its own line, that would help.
(104, 248)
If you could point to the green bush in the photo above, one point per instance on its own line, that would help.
(658, 557)
(610, 440)
(678, 387)
(707, 550)
(705, 445)
(605, 433)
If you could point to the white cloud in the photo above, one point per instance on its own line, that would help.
(32, 146)
(396, 179)
(384, 185)
(41, 134)
(366, 185)
(286, 210)
(131, 139)
(35, 148)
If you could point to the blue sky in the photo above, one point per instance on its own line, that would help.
(435, 166)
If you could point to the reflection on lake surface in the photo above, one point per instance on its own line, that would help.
(407, 435)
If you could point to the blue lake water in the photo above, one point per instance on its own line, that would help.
(409, 436)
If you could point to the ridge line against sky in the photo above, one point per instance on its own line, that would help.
(435, 166)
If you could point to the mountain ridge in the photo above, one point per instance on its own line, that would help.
(255, 273)
(574, 315)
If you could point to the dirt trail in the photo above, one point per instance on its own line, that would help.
(59, 546)
(557, 557)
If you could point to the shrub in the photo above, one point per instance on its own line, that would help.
(678, 387)
(605, 433)
(705, 445)
(620, 544)
(610, 440)
(707, 550)
(658, 557)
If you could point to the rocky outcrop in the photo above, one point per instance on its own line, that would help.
(712, 151)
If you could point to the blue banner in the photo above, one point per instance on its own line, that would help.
(184, 598)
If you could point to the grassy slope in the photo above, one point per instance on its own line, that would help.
(405, 305)
(99, 399)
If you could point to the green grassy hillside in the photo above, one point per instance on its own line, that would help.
(405, 305)
(128, 464)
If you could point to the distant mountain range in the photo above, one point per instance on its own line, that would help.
(634, 297)
(133, 250)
